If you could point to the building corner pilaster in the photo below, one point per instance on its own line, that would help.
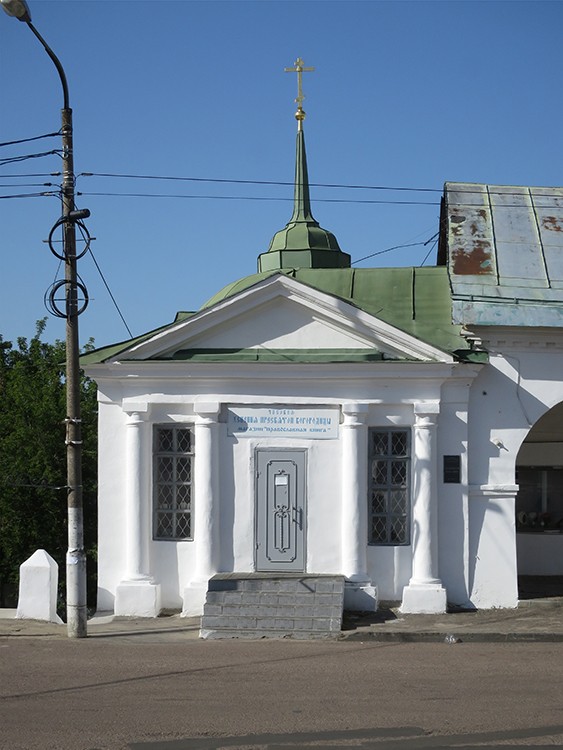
(206, 515)
(359, 592)
(137, 594)
(424, 593)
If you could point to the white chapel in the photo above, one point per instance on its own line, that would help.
(389, 433)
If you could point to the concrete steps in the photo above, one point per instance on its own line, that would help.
(261, 605)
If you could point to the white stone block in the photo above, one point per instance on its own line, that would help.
(137, 599)
(194, 598)
(360, 596)
(39, 576)
(424, 599)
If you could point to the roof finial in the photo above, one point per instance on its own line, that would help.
(299, 69)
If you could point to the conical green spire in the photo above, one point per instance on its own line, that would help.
(301, 199)
(302, 243)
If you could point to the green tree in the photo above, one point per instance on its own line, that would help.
(33, 498)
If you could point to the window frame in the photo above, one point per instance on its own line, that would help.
(174, 483)
(389, 486)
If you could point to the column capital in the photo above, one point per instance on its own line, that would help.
(355, 414)
(426, 414)
(426, 408)
(135, 418)
(137, 407)
(207, 411)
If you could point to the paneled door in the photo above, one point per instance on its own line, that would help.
(280, 509)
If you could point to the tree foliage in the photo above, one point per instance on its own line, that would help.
(33, 496)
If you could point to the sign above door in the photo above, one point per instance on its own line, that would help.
(312, 423)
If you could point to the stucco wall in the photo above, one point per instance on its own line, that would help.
(506, 400)
(484, 419)
(172, 563)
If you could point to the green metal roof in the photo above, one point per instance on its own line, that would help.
(303, 243)
(415, 300)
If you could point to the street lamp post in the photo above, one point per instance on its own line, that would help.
(76, 558)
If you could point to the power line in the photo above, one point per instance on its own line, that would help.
(255, 198)
(24, 157)
(31, 195)
(252, 182)
(398, 188)
(40, 174)
(31, 184)
(430, 251)
(343, 186)
(27, 140)
(110, 293)
(368, 201)
(389, 249)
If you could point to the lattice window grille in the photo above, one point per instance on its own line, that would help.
(173, 471)
(389, 486)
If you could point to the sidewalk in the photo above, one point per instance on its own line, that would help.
(534, 620)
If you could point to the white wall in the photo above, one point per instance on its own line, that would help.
(172, 399)
(506, 399)
(484, 420)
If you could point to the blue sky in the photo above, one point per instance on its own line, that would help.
(405, 94)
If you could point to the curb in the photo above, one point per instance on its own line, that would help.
(458, 637)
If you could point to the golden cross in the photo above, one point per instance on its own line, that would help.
(299, 69)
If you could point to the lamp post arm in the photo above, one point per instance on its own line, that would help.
(57, 63)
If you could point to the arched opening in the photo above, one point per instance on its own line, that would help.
(539, 508)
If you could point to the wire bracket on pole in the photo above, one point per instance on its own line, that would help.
(74, 421)
(54, 303)
(75, 217)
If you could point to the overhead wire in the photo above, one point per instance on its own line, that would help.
(104, 280)
(389, 188)
(110, 293)
(39, 174)
(48, 193)
(255, 198)
(27, 140)
(24, 157)
(388, 250)
(398, 188)
(31, 184)
(251, 182)
(342, 186)
(432, 248)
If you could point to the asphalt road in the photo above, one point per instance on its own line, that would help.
(148, 694)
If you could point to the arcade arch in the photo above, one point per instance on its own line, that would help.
(539, 506)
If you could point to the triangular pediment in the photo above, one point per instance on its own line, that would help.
(281, 314)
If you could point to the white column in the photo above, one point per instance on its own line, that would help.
(424, 593)
(137, 595)
(206, 506)
(137, 542)
(359, 594)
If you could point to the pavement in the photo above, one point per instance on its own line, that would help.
(534, 620)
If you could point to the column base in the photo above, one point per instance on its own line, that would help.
(424, 599)
(137, 599)
(194, 598)
(360, 596)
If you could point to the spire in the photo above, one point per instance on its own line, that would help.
(303, 243)
(301, 199)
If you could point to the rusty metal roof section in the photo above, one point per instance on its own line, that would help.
(503, 246)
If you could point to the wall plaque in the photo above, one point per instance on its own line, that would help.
(452, 469)
(313, 423)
